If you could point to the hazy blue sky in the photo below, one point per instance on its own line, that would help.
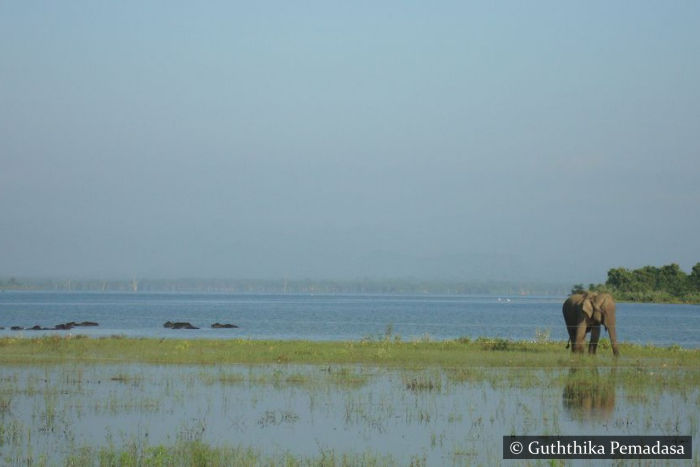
(463, 140)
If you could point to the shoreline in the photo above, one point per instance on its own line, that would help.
(387, 352)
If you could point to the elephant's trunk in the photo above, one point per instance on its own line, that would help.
(612, 332)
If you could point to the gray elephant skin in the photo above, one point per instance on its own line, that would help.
(584, 313)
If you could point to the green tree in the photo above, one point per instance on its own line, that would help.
(671, 279)
(694, 278)
(644, 279)
(650, 283)
(619, 278)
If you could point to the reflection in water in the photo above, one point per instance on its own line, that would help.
(589, 394)
(416, 416)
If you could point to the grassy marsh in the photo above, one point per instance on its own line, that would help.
(117, 401)
(387, 352)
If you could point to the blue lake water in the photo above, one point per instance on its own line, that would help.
(332, 317)
(306, 411)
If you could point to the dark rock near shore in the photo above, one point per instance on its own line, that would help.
(223, 326)
(73, 324)
(179, 325)
(58, 327)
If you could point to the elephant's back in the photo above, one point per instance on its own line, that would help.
(572, 300)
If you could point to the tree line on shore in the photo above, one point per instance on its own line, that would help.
(667, 284)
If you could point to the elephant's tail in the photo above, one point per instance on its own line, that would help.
(568, 343)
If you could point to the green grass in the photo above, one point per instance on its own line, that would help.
(196, 453)
(384, 384)
(459, 353)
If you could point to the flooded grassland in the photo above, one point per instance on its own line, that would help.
(58, 408)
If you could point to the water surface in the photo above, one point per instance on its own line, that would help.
(437, 417)
(334, 317)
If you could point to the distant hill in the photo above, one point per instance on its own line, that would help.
(281, 286)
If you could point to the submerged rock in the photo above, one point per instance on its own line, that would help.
(59, 327)
(224, 326)
(73, 324)
(179, 325)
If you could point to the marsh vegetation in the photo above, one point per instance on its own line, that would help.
(68, 401)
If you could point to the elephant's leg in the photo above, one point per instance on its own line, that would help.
(580, 337)
(595, 335)
(571, 330)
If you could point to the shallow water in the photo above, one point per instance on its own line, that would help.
(333, 317)
(439, 417)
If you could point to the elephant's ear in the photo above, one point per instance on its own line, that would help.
(600, 309)
(587, 307)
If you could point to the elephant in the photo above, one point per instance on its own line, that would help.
(585, 312)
